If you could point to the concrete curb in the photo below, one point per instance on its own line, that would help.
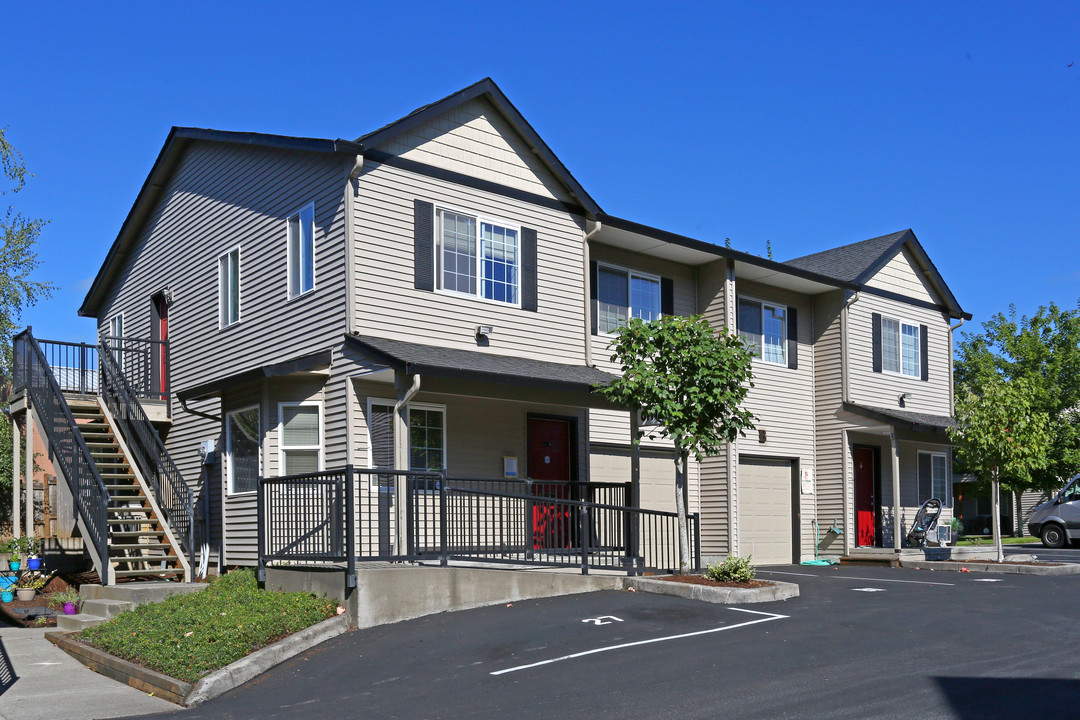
(721, 595)
(258, 662)
(1006, 568)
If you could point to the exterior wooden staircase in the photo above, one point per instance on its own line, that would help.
(139, 542)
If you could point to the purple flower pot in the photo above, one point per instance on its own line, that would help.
(70, 608)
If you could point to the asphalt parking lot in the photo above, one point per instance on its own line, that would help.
(860, 642)
(1067, 554)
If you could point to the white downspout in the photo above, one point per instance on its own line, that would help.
(845, 373)
(401, 456)
(350, 246)
(588, 290)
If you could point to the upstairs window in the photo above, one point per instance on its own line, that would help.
(477, 257)
(302, 251)
(229, 288)
(624, 294)
(763, 327)
(900, 352)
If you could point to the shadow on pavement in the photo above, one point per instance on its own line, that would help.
(989, 698)
(7, 670)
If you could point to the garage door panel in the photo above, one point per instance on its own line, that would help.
(765, 510)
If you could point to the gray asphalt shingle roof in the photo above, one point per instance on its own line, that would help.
(448, 362)
(898, 416)
(849, 263)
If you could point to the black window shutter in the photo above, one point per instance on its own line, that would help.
(792, 339)
(592, 294)
(423, 245)
(528, 269)
(877, 342)
(924, 360)
(667, 296)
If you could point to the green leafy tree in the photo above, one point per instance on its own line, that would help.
(18, 260)
(1001, 436)
(693, 381)
(1043, 350)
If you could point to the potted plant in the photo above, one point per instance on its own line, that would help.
(12, 547)
(27, 586)
(68, 600)
(30, 548)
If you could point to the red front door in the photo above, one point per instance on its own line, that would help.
(549, 460)
(864, 497)
(163, 335)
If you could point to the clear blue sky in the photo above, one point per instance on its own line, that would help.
(809, 125)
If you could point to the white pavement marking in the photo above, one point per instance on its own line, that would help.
(868, 589)
(986, 580)
(768, 618)
(849, 577)
(602, 620)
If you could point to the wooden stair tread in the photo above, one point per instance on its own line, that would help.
(134, 521)
(137, 573)
(139, 546)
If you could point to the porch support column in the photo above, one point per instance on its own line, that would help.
(897, 529)
(29, 471)
(16, 480)
(635, 460)
(406, 387)
(848, 529)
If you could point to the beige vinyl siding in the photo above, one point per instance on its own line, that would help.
(828, 399)
(909, 487)
(901, 276)
(783, 400)
(712, 288)
(474, 139)
(388, 305)
(882, 389)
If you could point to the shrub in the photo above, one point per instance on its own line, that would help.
(188, 636)
(733, 569)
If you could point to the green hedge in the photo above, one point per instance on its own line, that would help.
(188, 636)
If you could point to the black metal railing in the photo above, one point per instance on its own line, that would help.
(349, 515)
(171, 492)
(34, 374)
(144, 363)
(74, 365)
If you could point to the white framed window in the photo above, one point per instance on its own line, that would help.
(116, 331)
(900, 351)
(301, 231)
(243, 441)
(229, 288)
(763, 327)
(427, 435)
(478, 256)
(622, 294)
(934, 477)
(300, 433)
(116, 326)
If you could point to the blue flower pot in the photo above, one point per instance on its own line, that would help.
(6, 596)
(33, 563)
(14, 564)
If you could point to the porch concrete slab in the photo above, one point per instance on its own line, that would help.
(39, 681)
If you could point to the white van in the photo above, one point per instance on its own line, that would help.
(1058, 521)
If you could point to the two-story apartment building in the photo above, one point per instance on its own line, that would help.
(440, 294)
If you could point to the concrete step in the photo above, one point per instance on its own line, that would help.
(106, 608)
(872, 560)
(77, 622)
(138, 593)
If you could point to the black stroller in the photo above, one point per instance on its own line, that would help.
(925, 521)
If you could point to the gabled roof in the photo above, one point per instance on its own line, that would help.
(488, 89)
(858, 262)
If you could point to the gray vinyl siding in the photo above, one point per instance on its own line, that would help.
(388, 305)
(782, 399)
(182, 442)
(475, 140)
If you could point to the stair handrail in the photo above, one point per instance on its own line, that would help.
(170, 490)
(33, 373)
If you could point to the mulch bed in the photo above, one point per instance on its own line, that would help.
(702, 580)
(36, 612)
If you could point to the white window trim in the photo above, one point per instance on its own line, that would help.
(281, 434)
(900, 348)
(223, 290)
(437, 260)
(112, 325)
(372, 487)
(229, 491)
(947, 499)
(630, 275)
(288, 254)
(760, 356)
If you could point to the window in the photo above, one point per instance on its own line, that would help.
(427, 437)
(243, 438)
(302, 251)
(900, 352)
(763, 327)
(933, 477)
(469, 248)
(116, 331)
(300, 438)
(623, 294)
(229, 288)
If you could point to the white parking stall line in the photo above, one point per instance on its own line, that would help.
(768, 617)
(850, 577)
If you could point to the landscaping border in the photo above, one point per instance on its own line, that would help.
(713, 594)
(1005, 568)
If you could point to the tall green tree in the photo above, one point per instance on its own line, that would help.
(1002, 437)
(1044, 351)
(18, 260)
(692, 381)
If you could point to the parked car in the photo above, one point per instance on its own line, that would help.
(1058, 521)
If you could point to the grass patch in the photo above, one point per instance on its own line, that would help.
(188, 636)
(986, 540)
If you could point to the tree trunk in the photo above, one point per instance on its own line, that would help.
(680, 508)
(996, 497)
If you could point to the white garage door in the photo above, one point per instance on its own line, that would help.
(765, 510)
